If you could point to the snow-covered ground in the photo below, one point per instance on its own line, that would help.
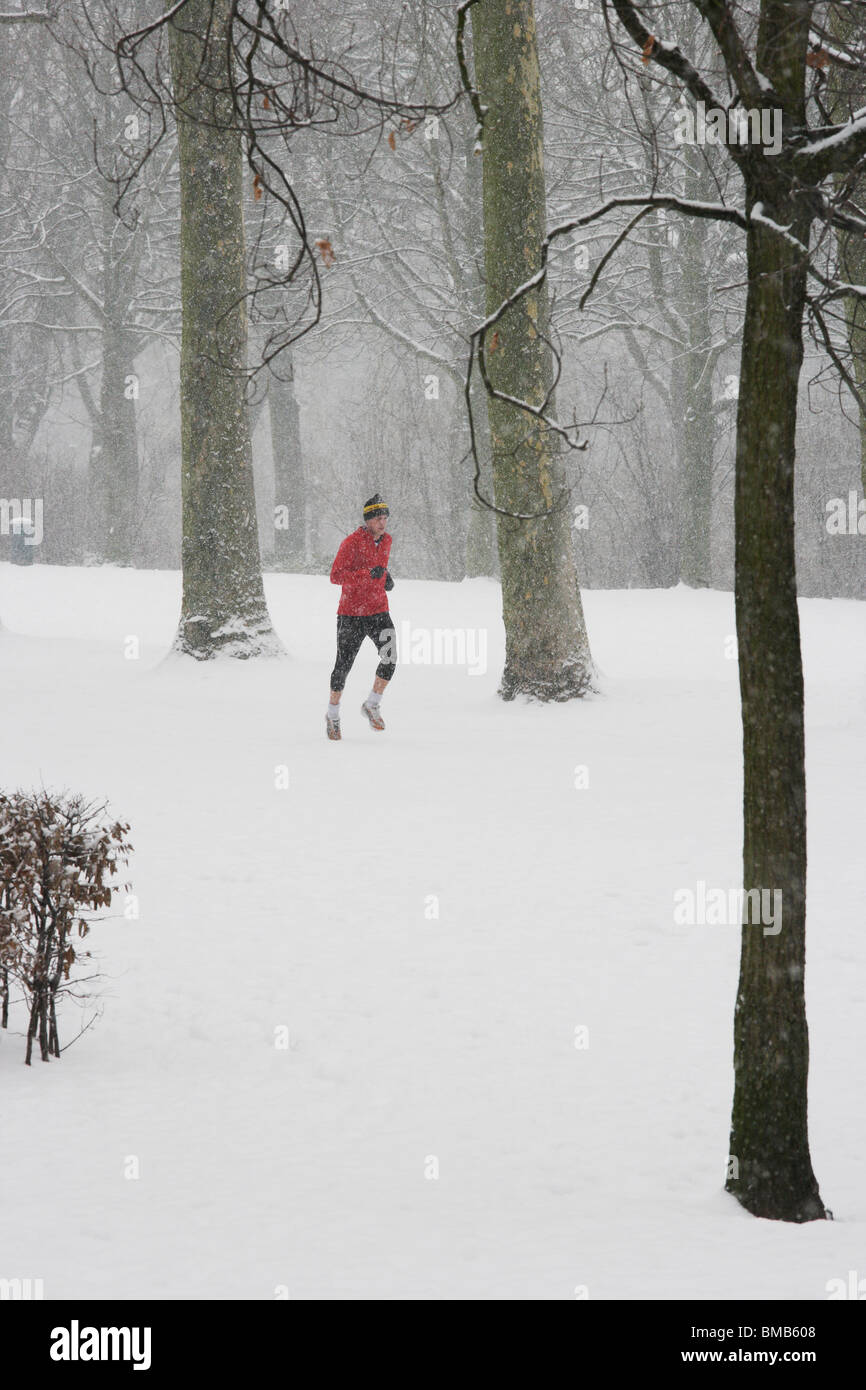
(418, 1040)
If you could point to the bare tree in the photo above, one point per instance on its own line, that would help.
(790, 199)
(787, 202)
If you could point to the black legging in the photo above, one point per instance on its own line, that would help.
(351, 632)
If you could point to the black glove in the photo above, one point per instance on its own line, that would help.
(389, 583)
(377, 572)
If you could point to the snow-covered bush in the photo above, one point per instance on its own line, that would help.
(57, 856)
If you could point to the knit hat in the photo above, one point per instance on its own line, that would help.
(375, 507)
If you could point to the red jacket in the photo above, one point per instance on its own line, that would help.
(358, 554)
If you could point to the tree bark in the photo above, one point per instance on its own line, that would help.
(547, 649)
(223, 606)
(773, 1175)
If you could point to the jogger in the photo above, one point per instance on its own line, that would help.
(361, 568)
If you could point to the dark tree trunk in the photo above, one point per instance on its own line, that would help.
(773, 1175)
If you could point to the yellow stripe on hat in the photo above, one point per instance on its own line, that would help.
(376, 507)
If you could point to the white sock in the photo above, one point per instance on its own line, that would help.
(333, 711)
(374, 697)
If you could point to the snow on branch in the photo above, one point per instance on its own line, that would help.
(758, 217)
(816, 154)
(26, 16)
(837, 150)
(667, 55)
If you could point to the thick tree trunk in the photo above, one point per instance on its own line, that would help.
(771, 1174)
(547, 650)
(769, 1136)
(289, 482)
(224, 606)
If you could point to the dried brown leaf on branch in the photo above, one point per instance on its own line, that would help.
(56, 857)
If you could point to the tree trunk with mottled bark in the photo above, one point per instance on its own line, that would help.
(224, 607)
(547, 649)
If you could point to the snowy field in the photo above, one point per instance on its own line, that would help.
(419, 1041)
